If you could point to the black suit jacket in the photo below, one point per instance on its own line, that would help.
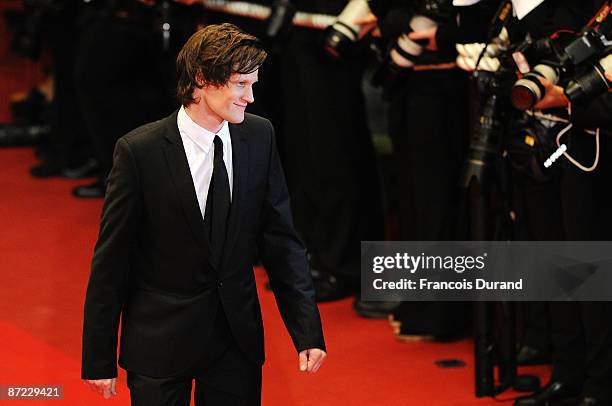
(153, 265)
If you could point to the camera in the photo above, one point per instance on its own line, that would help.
(405, 52)
(528, 90)
(589, 52)
(342, 34)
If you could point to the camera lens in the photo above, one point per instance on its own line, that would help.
(591, 84)
(525, 93)
(528, 90)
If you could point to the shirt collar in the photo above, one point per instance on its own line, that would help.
(200, 135)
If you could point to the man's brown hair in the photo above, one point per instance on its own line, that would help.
(212, 55)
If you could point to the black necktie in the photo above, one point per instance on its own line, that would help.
(218, 201)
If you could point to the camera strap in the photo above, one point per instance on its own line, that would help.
(500, 19)
(601, 21)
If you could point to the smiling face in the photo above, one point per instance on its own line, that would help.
(228, 102)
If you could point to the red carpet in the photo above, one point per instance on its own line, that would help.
(46, 243)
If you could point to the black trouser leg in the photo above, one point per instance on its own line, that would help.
(148, 391)
(231, 381)
(597, 320)
(568, 341)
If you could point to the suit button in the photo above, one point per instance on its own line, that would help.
(220, 284)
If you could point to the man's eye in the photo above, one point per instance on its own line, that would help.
(241, 84)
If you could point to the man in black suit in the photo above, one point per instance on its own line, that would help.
(192, 200)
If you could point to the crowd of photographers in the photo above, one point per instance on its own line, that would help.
(499, 131)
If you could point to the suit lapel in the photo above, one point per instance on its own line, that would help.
(183, 182)
(240, 165)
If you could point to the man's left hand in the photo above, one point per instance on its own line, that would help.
(311, 359)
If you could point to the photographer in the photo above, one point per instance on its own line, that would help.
(52, 24)
(329, 156)
(428, 127)
(120, 56)
(580, 331)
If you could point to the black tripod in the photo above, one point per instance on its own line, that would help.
(485, 179)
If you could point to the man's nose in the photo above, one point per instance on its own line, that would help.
(248, 95)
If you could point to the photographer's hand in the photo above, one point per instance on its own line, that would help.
(367, 24)
(428, 34)
(554, 97)
(609, 77)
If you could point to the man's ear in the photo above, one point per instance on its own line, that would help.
(199, 79)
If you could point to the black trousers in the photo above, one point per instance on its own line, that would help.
(575, 207)
(119, 83)
(68, 144)
(427, 124)
(582, 346)
(223, 377)
(539, 217)
(582, 331)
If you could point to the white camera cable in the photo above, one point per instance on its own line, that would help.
(562, 150)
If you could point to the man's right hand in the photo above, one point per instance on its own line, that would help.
(105, 387)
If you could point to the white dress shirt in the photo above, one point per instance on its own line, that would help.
(200, 151)
(520, 8)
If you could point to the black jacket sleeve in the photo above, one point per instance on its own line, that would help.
(285, 260)
(110, 267)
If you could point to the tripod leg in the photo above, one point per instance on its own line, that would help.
(483, 350)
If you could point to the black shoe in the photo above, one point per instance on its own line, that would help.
(553, 394)
(532, 356)
(86, 170)
(405, 332)
(94, 190)
(46, 169)
(329, 287)
(374, 310)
